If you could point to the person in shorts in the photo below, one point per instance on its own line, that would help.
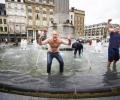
(114, 44)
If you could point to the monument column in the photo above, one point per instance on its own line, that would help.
(61, 19)
(61, 11)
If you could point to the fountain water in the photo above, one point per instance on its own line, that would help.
(26, 69)
(23, 67)
(98, 47)
(23, 44)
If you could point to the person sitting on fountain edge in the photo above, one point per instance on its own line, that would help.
(114, 44)
(53, 51)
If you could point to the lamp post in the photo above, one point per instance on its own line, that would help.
(20, 32)
(8, 33)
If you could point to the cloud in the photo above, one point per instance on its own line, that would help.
(98, 10)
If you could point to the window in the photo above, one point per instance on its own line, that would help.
(4, 21)
(1, 29)
(71, 16)
(12, 5)
(51, 1)
(19, 0)
(29, 17)
(29, 10)
(5, 29)
(44, 10)
(37, 17)
(9, 5)
(17, 6)
(72, 22)
(40, 1)
(30, 32)
(4, 12)
(51, 13)
(0, 21)
(23, 7)
(47, 1)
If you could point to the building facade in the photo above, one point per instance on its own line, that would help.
(39, 15)
(16, 19)
(97, 31)
(3, 23)
(77, 19)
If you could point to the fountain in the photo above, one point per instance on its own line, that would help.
(98, 47)
(25, 70)
(35, 43)
(23, 44)
(61, 20)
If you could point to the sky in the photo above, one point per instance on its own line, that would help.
(97, 11)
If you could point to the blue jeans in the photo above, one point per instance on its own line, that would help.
(50, 57)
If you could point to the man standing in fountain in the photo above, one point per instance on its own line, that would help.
(114, 44)
(53, 51)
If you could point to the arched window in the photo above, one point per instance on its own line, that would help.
(37, 17)
(19, 0)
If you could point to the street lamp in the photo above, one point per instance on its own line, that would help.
(8, 33)
(20, 32)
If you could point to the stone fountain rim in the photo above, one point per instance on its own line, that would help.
(10, 88)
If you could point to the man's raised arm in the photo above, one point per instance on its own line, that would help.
(40, 42)
(67, 41)
(109, 26)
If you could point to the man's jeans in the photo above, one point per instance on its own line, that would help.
(50, 57)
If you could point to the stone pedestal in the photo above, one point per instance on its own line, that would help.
(63, 29)
(61, 19)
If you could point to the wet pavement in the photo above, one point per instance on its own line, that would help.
(5, 96)
(26, 69)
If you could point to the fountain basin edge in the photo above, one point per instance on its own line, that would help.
(61, 93)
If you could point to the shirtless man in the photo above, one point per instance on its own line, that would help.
(53, 51)
(114, 44)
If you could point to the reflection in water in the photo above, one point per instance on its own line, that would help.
(57, 80)
(110, 75)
